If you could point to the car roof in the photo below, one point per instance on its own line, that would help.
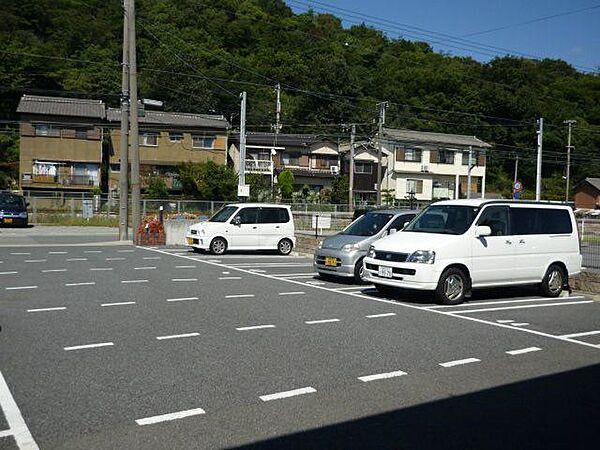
(392, 211)
(482, 202)
(259, 205)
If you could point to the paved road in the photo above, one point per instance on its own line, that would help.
(111, 346)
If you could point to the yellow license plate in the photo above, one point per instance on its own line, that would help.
(330, 261)
(190, 241)
(7, 220)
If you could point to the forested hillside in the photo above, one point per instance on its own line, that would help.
(197, 55)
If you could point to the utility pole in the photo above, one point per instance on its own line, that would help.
(351, 178)
(470, 166)
(133, 123)
(124, 143)
(570, 123)
(242, 178)
(382, 107)
(538, 181)
(277, 126)
(516, 169)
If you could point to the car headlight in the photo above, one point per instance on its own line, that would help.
(320, 244)
(371, 252)
(350, 247)
(422, 257)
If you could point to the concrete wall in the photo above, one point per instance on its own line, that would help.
(176, 230)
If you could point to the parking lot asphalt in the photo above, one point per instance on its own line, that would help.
(115, 346)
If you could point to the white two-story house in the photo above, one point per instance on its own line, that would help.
(432, 166)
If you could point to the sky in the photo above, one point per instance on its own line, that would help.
(574, 37)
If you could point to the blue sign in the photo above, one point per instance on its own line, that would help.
(516, 194)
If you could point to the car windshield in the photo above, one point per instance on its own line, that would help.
(223, 214)
(11, 200)
(444, 219)
(368, 224)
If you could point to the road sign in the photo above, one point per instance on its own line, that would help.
(517, 186)
(87, 212)
(322, 221)
(244, 190)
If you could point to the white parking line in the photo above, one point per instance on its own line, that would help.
(541, 299)
(353, 288)
(382, 376)
(287, 394)
(459, 362)
(145, 268)
(520, 324)
(8, 273)
(183, 279)
(257, 271)
(115, 259)
(545, 305)
(100, 269)
(57, 253)
(76, 259)
(315, 283)
(58, 308)
(230, 278)
(35, 260)
(92, 251)
(239, 295)
(185, 267)
(312, 322)
(81, 347)
(151, 257)
(15, 288)
(252, 265)
(255, 327)
(16, 425)
(505, 320)
(523, 350)
(54, 270)
(373, 316)
(585, 333)
(170, 416)
(292, 293)
(20, 254)
(285, 275)
(181, 299)
(86, 283)
(125, 251)
(133, 281)
(226, 273)
(118, 304)
(177, 336)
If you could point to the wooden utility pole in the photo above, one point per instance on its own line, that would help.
(570, 123)
(382, 107)
(124, 144)
(351, 176)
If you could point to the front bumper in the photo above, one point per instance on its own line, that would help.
(10, 220)
(197, 241)
(404, 275)
(345, 261)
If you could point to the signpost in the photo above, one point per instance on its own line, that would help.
(86, 209)
(322, 221)
(517, 188)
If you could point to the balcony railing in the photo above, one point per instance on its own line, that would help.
(259, 166)
(64, 180)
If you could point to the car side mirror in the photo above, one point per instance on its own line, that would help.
(405, 223)
(482, 231)
(236, 221)
(27, 204)
(392, 231)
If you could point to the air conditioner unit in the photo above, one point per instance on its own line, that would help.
(424, 168)
(334, 169)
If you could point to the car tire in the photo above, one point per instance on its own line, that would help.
(452, 287)
(553, 282)
(359, 271)
(384, 289)
(284, 247)
(218, 246)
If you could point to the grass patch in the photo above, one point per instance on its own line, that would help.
(57, 219)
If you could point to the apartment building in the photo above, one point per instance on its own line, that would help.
(365, 170)
(314, 160)
(167, 139)
(432, 166)
(60, 143)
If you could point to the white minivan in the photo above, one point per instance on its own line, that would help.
(245, 226)
(455, 246)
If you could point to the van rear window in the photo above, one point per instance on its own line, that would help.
(540, 221)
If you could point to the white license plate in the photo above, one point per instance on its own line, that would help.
(385, 272)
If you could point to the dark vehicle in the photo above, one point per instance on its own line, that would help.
(13, 209)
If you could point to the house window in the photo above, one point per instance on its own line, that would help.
(81, 133)
(42, 129)
(361, 167)
(412, 155)
(414, 186)
(175, 136)
(290, 159)
(203, 141)
(149, 139)
(445, 157)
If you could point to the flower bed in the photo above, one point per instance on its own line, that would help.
(150, 232)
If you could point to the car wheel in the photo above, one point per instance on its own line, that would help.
(553, 282)
(285, 247)
(385, 290)
(218, 246)
(452, 287)
(359, 271)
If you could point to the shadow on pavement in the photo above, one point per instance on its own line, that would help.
(556, 411)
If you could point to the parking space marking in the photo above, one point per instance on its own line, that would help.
(255, 327)
(352, 288)
(502, 308)
(16, 288)
(151, 257)
(185, 267)
(86, 346)
(125, 251)
(315, 283)
(541, 299)
(133, 281)
(242, 265)
(287, 394)
(295, 275)
(58, 253)
(505, 320)
(85, 283)
(183, 279)
(57, 308)
(239, 296)
(145, 268)
(585, 333)
(177, 336)
(258, 271)
(182, 299)
(313, 322)
(53, 270)
(117, 304)
(20, 253)
(35, 260)
(115, 259)
(226, 273)
(293, 293)
(100, 269)
(230, 278)
(520, 324)
(76, 259)
(17, 427)
(382, 376)
(170, 416)
(523, 350)
(373, 316)
(460, 362)
(92, 251)
(8, 273)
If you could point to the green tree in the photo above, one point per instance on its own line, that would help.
(339, 190)
(260, 187)
(208, 181)
(285, 179)
(157, 188)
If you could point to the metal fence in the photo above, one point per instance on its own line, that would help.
(589, 232)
